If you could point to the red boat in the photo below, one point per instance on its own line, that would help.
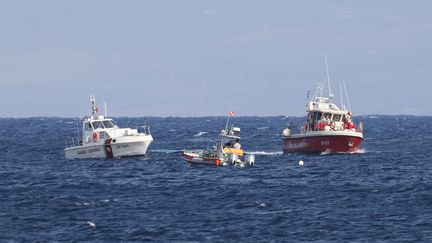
(328, 129)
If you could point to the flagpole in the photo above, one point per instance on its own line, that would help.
(229, 115)
(226, 126)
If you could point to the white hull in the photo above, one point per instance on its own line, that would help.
(109, 148)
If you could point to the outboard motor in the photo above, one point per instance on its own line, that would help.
(232, 158)
(250, 159)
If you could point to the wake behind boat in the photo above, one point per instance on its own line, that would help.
(226, 151)
(102, 138)
(328, 128)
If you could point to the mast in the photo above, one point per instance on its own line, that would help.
(93, 107)
(341, 96)
(105, 109)
(346, 94)
(320, 89)
(328, 78)
(230, 114)
(226, 125)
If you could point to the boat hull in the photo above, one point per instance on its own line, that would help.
(111, 148)
(194, 159)
(323, 143)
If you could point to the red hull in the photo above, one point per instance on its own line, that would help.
(320, 144)
(204, 161)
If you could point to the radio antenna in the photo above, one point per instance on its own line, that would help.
(328, 78)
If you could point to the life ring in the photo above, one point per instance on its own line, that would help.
(95, 136)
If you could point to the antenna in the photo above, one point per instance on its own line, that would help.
(105, 109)
(321, 89)
(227, 122)
(341, 96)
(78, 130)
(92, 105)
(346, 94)
(328, 78)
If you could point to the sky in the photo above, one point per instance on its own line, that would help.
(205, 58)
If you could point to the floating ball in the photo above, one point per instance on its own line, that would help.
(301, 163)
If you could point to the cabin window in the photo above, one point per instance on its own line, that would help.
(311, 116)
(328, 115)
(336, 118)
(88, 126)
(318, 116)
(108, 124)
(98, 125)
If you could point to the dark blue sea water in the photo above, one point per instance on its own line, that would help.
(383, 193)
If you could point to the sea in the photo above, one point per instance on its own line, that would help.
(382, 193)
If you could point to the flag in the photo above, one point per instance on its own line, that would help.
(97, 109)
(231, 113)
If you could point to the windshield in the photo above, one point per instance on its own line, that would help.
(97, 125)
(87, 126)
(336, 118)
(114, 124)
(108, 124)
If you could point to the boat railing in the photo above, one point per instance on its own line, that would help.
(73, 142)
(302, 129)
(144, 129)
(360, 127)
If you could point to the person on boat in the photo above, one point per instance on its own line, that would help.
(311, 121)
(324, 121)
(237, 144)
(328, 120)
(348, 123)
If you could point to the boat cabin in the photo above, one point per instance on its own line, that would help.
(96, 128)
(98, 124)
(326, 116)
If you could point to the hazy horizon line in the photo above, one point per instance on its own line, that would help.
(213, 116)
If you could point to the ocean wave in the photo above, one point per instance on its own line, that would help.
(200, 134)
(262, 128)
(166, 151)
(264, 153)
(358, 151)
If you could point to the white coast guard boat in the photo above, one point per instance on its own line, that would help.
(102, 138)
(226, 151)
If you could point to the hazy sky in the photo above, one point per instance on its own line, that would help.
(195, 58)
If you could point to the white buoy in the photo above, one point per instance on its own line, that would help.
(301, 163)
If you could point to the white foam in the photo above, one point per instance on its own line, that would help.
(358, 151)
(200, 134)
(166, 151)
(91, 224)
(265, 153)
(325, 152)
